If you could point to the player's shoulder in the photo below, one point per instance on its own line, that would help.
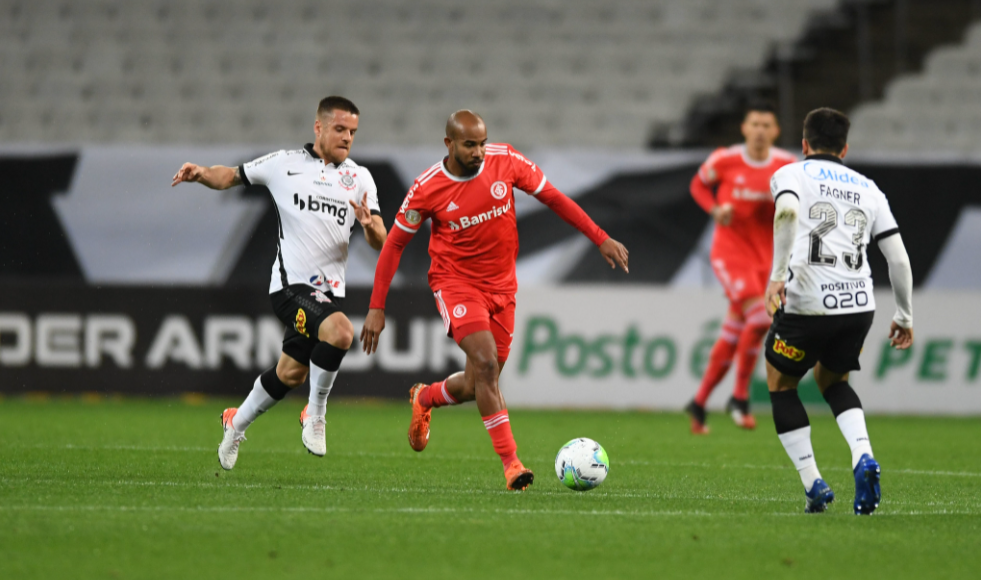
(782, 156)
(426, 179)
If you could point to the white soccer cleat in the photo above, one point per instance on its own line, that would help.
(228, 450)
(314, 433)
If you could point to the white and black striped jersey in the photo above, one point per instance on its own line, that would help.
(315, 219)
(841, 211)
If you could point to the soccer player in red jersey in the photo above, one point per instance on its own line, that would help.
(469, 198)
(733, 186)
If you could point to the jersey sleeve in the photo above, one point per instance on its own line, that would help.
(885, 223)
(259, 171)
(369, 187)
(415, 210)
(710, 170)
(784, 182)
(528, 176)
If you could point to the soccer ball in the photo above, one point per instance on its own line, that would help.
(582, 464)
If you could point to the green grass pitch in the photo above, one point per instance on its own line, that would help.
(132, 489)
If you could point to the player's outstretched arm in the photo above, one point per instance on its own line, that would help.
(215, 177)
(612, 251)
(388, 264)
(373, 225)
(901, 277)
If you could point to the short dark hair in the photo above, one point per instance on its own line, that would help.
(826, 130)
(760, 106)
(335, 103)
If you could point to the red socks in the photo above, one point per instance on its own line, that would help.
(748, 350)
(720, 359)
(436, 395)
(499, 427)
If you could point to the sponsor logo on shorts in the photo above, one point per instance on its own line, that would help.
(499, 189)
(459, 311)
(320, 296)
(301, 322)
(782, 348)
(413, 217)
(317, 280)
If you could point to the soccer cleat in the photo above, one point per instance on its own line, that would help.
(518, 476)
(228, 449)
(819, 497)
(419, 427)
(867, 492)
(313, 435)
(697, 414)
(739, 411)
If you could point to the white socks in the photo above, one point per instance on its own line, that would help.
(257, 403)
(852, 425)
(797, 443)
(321, 381)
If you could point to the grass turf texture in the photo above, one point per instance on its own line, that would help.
(132, 489)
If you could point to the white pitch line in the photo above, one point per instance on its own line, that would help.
(452, 457)
(444, 510)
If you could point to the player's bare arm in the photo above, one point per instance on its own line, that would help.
(373, 225)
(374, 324)
(214, 177)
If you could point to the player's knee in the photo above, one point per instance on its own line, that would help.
(485, 365)
(337, 331)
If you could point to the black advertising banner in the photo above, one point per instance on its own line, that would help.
(163, 341)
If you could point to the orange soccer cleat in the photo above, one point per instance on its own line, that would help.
(421, 416)
(697, 414)
(518, 476)
(739, 411)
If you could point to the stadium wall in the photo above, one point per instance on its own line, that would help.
(588, 346)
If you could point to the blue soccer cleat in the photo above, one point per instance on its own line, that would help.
(867, 493)
(819, 497)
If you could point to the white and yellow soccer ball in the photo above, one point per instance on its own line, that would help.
(582, 464)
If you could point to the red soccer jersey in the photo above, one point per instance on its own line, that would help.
(744, 183)
(474, 230)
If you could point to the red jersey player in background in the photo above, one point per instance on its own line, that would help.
(733, 186)
(473, 245)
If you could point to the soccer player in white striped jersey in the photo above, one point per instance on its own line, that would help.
(820, 295)
(318, 194)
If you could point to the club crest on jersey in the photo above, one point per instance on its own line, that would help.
(317, 280)
(301, 322)
(459, 311)
(782, 348)
(499, 189)
(413, 217)
(320, 296)
(347, 180)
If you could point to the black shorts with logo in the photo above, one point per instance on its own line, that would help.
(796, 342)
(302, 309)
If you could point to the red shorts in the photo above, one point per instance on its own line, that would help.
(466, 310)
(741, 282)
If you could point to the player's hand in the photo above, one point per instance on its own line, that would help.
(362, 211)
(900, 338)
(374, 324)
(722, 214)
(776, 297)
(615, 253)
(188, 172)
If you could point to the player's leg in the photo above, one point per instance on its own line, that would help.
(747, 353)
(720, 360)
(847, 407)
(335, 334)
(482, 354)
(269, 388)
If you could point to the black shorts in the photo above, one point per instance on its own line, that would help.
(302, 309)
(797, 342)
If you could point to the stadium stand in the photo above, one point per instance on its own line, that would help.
(935, 111)
(246, 71)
